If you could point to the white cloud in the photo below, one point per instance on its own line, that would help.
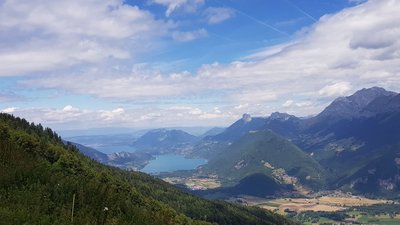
(301, 108)
(129, 86)
(339, 54)
(304, 104)
(288, 103)
(187, 6)
(216, 15)
(44, 35)
(111, 115)
(69, 108)
(121, 117)
(195, 111)
(357, 1)
(242, 106)
(189, 35)
(254, 96)
(9, 110)
(337, 89)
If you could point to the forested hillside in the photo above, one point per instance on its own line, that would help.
(267, 153)
(39, 177)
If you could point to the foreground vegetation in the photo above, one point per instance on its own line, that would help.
(42, 179)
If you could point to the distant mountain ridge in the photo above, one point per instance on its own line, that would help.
(239, 128)
(353, 106)
(161, 141)
(363, 104)
(212, 132)
(279, 122)
(346, 139)
(125, 160)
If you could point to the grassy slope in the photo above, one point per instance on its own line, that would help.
(265, 146)
(39, 175)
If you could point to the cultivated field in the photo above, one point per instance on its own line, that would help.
(194, 183)
(332, 209)
(323, 203)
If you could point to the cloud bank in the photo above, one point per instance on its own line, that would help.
(354, 48)
(52, 35)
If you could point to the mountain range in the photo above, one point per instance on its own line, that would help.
(352, 145)
(265, 152)
(163, 141)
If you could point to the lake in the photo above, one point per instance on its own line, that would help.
(114, 148)
(170, 163)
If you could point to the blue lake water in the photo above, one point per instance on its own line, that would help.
(170, 163)
(115, 148)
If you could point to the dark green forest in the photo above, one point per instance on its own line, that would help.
(39, 177)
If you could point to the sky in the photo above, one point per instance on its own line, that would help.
(79, 64)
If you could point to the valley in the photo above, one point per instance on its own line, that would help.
(313, 171)
(342, 148)
(327, 166)
(326, 207)
(200, 112)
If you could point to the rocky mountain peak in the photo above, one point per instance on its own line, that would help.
(351, 106)
(246, 117)
(366, 95)
(280, 116)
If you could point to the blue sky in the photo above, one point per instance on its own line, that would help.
(156, 63)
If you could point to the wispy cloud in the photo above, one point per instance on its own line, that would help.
(216, 15)
(189, 35)
(187, 6)
(254, 19)
(263, 23)
(335, 89)
(301, 10)
(69, 117)
(357, 1)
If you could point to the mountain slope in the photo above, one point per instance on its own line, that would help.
(345, 139)
(352, 106)
(162, 141)
(239, 128)
(383, 104)
(348, 140)
(379, 176)
(40, 175)
(90, 152)
(281, 123)
(267, 153)
(212, 132)
(124, 160)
